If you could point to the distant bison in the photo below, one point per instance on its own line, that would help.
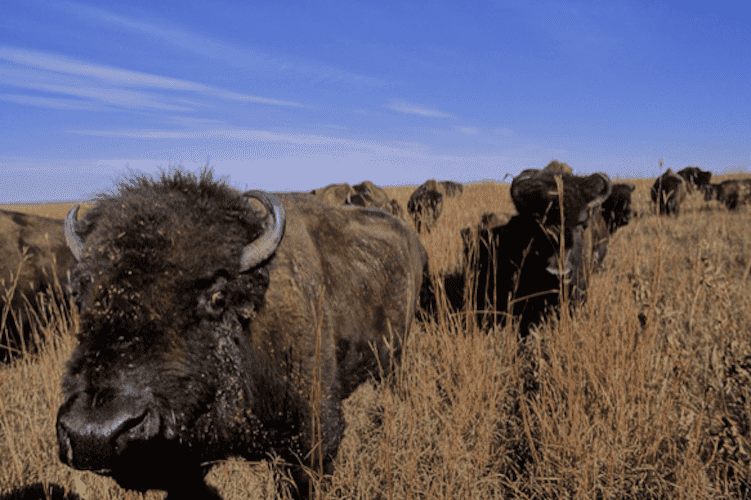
(731, 192)
(450, 188)
(47, 260)
(206, 328)
(616, 210)
(425, 206)
(370, 195)
(557, 167)
(426, 203)
(711, 191)
(366, 194)
(519, 260)
(334, 195)
(695, 176)
(668, 192)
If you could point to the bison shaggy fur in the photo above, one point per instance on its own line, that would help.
(185, 357)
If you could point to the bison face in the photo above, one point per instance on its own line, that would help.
(147, 386)
(561, 205)
(163, 375)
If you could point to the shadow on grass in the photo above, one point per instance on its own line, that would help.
(37, 492)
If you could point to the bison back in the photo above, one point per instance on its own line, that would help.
(367, 265)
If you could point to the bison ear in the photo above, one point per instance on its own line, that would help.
(631, 187)
(529, 191)
(595, 189)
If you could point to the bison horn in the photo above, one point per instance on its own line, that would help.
(71, 237)
(265, 245)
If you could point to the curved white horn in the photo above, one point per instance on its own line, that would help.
(265, 245)
(71, 237)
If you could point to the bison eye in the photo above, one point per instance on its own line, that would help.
(214, 300)
(217, 300)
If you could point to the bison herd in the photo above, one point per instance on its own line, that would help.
(208, 316)
(670, 189)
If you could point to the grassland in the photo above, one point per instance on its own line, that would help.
(591, 405)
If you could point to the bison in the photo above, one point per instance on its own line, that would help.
(425, 207)
(616, 210)
(47, 260)
(206, 327)
(426, 203)
(368, 194)
(334, 195)
(450, 189)
(694, 176)
(731, 192)
(557, 167)
(668, 192)
(712, 191)
(516, 265)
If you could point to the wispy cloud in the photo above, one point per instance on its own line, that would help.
(115, 86)
(244, 57)
(233, 134)
(49, 102)
(468, 130)
(405, 107)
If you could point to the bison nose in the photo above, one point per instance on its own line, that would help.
(93, 431)
(553, 266)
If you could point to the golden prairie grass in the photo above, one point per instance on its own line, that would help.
(642, 392)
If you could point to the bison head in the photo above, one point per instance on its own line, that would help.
(166, 283)
(538, 195)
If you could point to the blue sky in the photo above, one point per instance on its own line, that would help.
(292, 96)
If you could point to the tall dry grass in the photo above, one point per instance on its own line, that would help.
(642, 392)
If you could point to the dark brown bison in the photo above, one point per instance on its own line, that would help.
(668, 192)
(47, 261)
(694, 176)
(711, 191)
(520, 260)
(731, 192)
(616, 210)
(206, 328)
(425, 207)
(426, 203)
(450, 189)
